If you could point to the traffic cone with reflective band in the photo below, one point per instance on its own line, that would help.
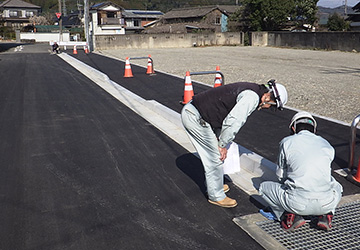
(128, 72)
(218, 80)
(357, 175)
(75, 50)
(150, 69)
(355, 178)
(188, 91)
(86, 49)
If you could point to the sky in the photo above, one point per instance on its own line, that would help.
(336, 3)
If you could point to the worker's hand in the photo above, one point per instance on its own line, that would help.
(223, 153)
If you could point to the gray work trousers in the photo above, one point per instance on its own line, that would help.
(204, 140)
(281, 199)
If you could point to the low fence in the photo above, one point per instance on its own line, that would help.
(44, 37)
(344, 41)
(103, 42)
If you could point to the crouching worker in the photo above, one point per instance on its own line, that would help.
(306, 187)
(55, 48)
(214, 117)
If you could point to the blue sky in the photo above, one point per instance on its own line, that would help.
(336, 3)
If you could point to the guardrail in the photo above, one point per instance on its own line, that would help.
(150, 68)
(210, 72)
(354, 124)
(353, 175)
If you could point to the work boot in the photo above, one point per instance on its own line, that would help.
(324, 222)
(226, 188)
(227, 202)
(290, 222)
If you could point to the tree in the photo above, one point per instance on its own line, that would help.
(38, 20)
(268, 15)
(305, 12)
(337, 23)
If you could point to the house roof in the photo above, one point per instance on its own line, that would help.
(71, 19)
(356, 7)
(229, 9)
(199, 11)
(103, 5)
(18, 4)
(177, 28)
(355, 17)
(153, 14)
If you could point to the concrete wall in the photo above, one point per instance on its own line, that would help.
(167, 40)
(345, 41)
(259, 39)
(44, 37)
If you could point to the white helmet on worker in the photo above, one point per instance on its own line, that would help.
(280, 93)
(303, 117)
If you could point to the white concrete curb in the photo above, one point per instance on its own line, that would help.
(254, 168)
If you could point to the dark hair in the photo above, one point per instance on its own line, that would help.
(272, 97)
(263, 89)
(303, 126)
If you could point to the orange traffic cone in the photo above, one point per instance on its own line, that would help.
(86, 49)
(75, 51)
(218, 80)
(150, 69)
(188, 91)
(355, 178)
(128, 72)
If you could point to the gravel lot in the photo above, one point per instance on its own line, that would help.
(325, 83)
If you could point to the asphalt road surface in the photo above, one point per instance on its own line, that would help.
(82, 171)
(79, 170)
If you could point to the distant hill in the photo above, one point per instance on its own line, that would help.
(340, 10)
(324, 13)
(162, 5)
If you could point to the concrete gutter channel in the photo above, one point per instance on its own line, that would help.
(254, 168)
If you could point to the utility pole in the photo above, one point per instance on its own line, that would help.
(86, 23)
(60, 22)
(345, 8)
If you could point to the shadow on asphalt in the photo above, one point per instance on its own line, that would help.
(192, 167)
(6, 46)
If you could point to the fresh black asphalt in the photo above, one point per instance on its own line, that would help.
(79, 170)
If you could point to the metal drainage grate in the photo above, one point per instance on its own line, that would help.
(345, 233)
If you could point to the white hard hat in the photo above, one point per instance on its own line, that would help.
(281, 96)
(303, 117)
(280, 93)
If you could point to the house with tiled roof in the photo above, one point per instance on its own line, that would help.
(136, 20)
(194, 19)
(109, 18)
(354, 18)
(16, 13)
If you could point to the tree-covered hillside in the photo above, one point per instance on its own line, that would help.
(162, 5)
